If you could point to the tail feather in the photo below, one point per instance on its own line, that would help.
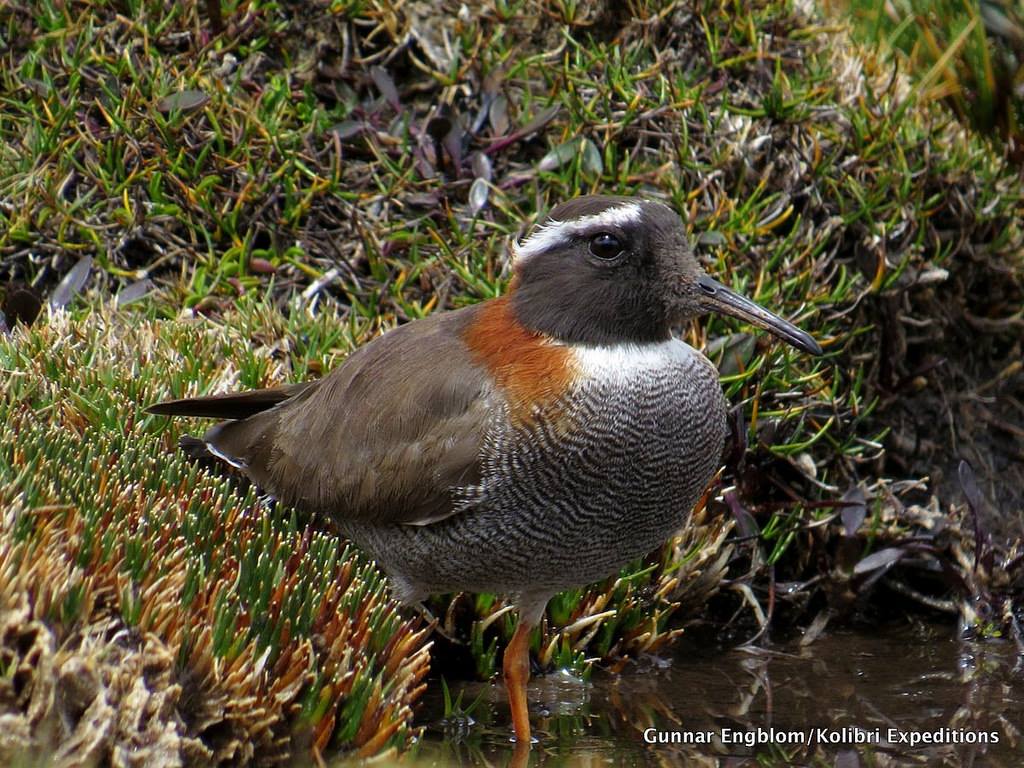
(232, 406)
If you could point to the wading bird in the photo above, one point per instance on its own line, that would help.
(524, 445)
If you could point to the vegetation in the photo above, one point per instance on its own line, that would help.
(148, 607)
(967, 53)
(205, 204)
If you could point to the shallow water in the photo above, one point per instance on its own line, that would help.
(849, 698)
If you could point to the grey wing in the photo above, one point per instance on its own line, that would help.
(387, 437)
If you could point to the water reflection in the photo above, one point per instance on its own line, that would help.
(856, 694)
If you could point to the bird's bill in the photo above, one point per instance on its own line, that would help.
(716, 297)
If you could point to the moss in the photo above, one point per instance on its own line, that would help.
(185, 617)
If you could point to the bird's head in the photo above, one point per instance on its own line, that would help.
(605, 270)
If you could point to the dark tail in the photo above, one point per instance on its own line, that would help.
(231, 406)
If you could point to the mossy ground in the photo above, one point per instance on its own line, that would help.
(151, 612)
(289, 186)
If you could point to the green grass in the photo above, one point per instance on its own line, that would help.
(969, 54)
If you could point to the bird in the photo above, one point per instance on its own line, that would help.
(522, 445)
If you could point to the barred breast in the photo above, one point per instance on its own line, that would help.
(589, 482)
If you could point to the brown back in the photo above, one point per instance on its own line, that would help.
(382, 438)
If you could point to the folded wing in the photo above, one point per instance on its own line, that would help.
(386, 437)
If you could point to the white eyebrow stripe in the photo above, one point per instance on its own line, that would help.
(561, 232)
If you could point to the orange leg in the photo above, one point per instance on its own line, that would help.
(516, 671)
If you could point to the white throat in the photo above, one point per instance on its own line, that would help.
(628, 359)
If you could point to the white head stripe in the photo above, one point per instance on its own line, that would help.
(560, 232)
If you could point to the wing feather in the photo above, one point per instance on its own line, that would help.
(385, 437)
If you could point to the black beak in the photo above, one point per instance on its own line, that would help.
(715, 297)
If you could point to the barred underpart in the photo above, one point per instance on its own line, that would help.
(599, 479)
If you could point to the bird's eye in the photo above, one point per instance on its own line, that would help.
(605, 246)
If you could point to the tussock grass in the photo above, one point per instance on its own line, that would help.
(184, 617)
